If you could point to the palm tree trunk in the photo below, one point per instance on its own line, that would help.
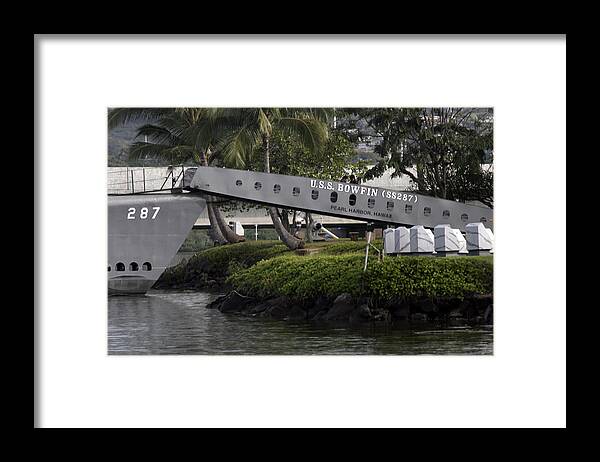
(291, 241)
(215, 230)
(221, 229)
(229, 234)
(309, 225)
(288, 239)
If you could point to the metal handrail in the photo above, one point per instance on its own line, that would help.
(131, 180)
(180, 174)
(173, 180)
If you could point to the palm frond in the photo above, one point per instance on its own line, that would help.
(312, 133)
(158, 134)
(143, 150)
(236, 147)
(121, 116)
(264, 124)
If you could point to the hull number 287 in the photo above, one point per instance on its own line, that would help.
(144, 213)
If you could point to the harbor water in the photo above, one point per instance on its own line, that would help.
(178, 322)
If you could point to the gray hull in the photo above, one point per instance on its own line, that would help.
(144, 233)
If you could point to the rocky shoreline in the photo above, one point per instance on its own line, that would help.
(264, 279)
(475, 310)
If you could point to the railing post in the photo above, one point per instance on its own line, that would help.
(132, 186)
(144, 176)
(367, 250)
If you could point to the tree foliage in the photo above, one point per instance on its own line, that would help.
(332, 161)
(442, 150)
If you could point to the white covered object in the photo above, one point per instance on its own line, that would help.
(462, 242)
(479, 237)
(421, 240)
(445, 239)
(388, 241)
(401, 240)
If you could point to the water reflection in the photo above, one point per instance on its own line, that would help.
(179, 323)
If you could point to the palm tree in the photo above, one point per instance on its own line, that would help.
(179, 135)
(249, 129)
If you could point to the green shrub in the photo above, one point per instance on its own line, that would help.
(268, 269)
(234, 267)
(395, 277)
(301, 277)
(218, 262)
(172, 276)
(410, 276)
(197, 240)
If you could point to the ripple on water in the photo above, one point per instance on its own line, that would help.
(179, 323)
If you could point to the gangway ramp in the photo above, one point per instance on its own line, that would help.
(338, 199)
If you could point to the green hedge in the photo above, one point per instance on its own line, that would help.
(221, 261)
(217, 259)
(301, 277)
(268, 269)
(396, 277)
(402, 277)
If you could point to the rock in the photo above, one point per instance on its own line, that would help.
(427, 306)
(467, 309)
(256, 309)
(363, 301)
(488, 315)
(234, 302)
(216, 303)
(321, 305)
(276, 312)
(418, 317)
(399, 309)
(481, 302)
(296, 313)
(455, 314)
(343, 298)
(343, 305)
(279, 301)
(447, 305)
(319, 316)
(381, 316)
(401, 312)
(248, 307)
(278, 308)
(360, 314)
